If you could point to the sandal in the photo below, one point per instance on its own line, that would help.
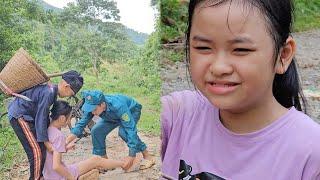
(145, 164)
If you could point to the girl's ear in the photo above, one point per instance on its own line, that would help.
(287, 53)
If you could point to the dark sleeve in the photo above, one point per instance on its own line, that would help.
(42, 116)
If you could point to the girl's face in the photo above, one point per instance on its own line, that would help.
(231, 56)
(64, 120)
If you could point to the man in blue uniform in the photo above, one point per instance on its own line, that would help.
(115, 111)
(30, 120)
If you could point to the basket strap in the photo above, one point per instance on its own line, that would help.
(10, 92)
(50, 86)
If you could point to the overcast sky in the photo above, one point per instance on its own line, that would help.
(135, 14)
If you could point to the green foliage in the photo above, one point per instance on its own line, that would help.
(173, 19)
(14, 29)
(172, 55)
(10, 149)
(307, 14)
(89, 11)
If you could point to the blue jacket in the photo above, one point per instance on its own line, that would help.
(37, 111)
(120, 109)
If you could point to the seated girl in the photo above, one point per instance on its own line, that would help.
(54, 167)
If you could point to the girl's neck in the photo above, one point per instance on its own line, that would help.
(253, 119)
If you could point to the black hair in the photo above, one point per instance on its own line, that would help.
(279, 17)
(60, 108)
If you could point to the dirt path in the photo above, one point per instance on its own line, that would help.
(174, 75)
(117, 149)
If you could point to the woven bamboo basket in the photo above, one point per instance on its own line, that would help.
(21, 73)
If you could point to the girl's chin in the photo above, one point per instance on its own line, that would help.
(223, 103)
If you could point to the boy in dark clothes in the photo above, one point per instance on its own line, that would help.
(30, 120)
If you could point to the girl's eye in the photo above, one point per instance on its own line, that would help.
(242, 51)
(202, 48)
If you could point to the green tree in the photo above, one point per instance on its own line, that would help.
(91, 42)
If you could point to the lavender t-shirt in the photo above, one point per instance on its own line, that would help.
(193, 136)
(58, 141)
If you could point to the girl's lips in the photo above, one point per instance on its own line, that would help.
(221, 88)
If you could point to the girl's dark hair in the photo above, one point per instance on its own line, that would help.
(60, 108)
(278, 16)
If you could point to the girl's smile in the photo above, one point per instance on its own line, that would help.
(221, 87)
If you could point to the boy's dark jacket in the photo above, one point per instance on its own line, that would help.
(37, 111)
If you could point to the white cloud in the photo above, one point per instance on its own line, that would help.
(135, 14)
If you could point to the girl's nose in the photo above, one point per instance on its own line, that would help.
(221, 66)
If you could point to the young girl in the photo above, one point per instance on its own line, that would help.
(54, 168)
(244, 121)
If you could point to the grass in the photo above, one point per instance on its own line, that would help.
(10, 149)
(307, 15)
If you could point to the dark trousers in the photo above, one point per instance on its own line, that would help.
(36, 151)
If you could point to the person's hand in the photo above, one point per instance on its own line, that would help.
(71, 138)
(128, 162)
(70, 146)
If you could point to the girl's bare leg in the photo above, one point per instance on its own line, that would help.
(97, 162)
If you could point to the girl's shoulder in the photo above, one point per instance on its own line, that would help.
(304, 124)
(184, 100)
(181, 107)
(55, 134)
(306, 133)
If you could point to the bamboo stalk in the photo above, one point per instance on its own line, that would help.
(55, 74)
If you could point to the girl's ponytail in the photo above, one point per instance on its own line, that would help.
(287, 88)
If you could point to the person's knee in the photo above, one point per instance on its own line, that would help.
(95, 129)
(96, 160)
